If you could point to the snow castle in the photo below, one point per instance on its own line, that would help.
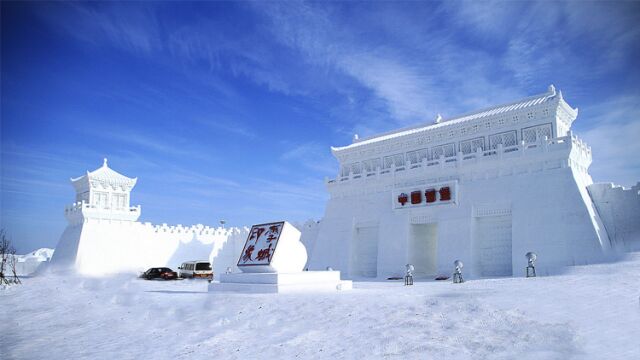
(104, 237)
(485, 187)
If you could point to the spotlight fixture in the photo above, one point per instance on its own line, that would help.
(408, 277)
(531, 268)
(457, 272)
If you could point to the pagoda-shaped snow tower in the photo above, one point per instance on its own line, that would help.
(101, 194)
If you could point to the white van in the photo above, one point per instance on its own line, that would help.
(196, 269)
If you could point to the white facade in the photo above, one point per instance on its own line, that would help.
(488, 187)
(104, 237)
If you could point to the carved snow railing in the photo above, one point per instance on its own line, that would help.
(80, 205)
(543, 145)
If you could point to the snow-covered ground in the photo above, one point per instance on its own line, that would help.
(593, 312)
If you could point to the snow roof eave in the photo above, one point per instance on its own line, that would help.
(75, 180)
(106, 174)
(498, 109)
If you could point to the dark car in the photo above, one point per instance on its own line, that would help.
(159, 273)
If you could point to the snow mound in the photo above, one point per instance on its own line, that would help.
(42, 254)
(32, 262)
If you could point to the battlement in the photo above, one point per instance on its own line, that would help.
(619, 208)
(619, 190)
(197, 229)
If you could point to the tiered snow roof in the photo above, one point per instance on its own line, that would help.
(106, 176)
(440, 122)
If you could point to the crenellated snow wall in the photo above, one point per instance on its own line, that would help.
(98, 247)
(619, 209)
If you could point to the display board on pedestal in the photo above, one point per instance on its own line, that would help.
(272, 261)
(273, 247)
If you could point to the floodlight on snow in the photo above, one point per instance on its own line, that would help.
(228, 270)
(457, 272)
(329, 268)
(222, 222)
(531, 268)
(408, 277)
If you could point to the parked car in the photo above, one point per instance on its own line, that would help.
(196, 269)
(159, 273)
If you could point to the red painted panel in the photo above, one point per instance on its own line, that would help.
(430, 195)
(445, 193)
(416, 197)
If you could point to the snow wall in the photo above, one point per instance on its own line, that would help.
(98, 247)
(619, 209)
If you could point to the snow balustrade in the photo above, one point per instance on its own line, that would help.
(78, 206)
(543, 145)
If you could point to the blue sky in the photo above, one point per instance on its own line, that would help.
(227, 110)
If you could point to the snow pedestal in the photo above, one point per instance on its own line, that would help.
(281, 282)
(272, 261)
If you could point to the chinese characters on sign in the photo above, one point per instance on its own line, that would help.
(431, 195)
(261, 244)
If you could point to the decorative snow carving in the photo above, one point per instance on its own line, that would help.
(507, 139)
(535, 133)
(472, 145)
(403, 199)
(393, 160)
(416, 157)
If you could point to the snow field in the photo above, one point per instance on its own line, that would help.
(592, 312)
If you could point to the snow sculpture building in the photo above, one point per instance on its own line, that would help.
(104, 237)
(485, 187)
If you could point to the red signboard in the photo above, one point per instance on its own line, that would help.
(416, 197)
(430, 195)
(261, 244)
(445, 193)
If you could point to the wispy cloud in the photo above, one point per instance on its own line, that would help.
(167, 144)
(615, 149)
(426, 74)
(612, 132)
(227, 126)
(132, 27)
(313, 33)
(312, 155)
